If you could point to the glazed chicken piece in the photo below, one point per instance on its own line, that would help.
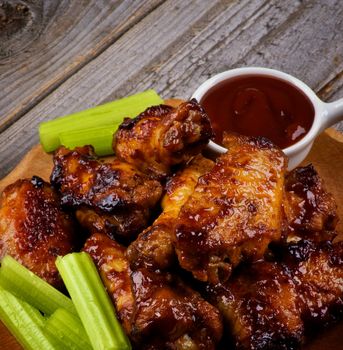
(311, 211)
(235, 210)
(154, 246)
(273, 305)
(317, 271)
(259, 307)
(115, 272)
(157, 310)
(113, 198)
(162, 137)
(33, 228)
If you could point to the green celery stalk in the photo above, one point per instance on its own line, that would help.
(25, 285)
(66, 331)
(92, 302)
(103, 115)
(24, 322)
(101, 138)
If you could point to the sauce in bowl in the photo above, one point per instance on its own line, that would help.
(259, 105)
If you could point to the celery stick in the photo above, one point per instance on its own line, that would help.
(24, 284)
(107, 114)
(92, 302)
(100, 138)
(24, 322)
(66, 331)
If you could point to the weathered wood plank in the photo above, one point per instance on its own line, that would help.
(43, 42)
(180, 44)
(300, 45)
(309, 46)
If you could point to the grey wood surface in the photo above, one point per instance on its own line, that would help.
(171, 46)
(55, 40)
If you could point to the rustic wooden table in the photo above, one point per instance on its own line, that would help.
(60, 56)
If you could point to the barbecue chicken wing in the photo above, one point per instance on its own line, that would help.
(157, 310)
(311, 211)
(115, 272)
(163, 136)
(235, 210)
(273, 305)
(33, 228)
(154, 246)
(113, 198)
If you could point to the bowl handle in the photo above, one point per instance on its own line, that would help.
(333, 113)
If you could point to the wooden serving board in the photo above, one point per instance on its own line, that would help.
(326, 155)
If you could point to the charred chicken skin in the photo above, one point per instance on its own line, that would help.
(273, 305)
(235, 210)
(162, 137)
(109, 257)
(154, 246)
(311, 212)
(33, 228)
(157, 310)
(113, 197)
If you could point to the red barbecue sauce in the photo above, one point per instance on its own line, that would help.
(256, 105)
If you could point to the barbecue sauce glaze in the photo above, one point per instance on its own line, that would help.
(256, 105)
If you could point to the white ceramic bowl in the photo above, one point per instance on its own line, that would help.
(325, 114)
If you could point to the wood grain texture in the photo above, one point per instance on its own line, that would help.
(180, 44)
(46, 41)
(326, 155)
